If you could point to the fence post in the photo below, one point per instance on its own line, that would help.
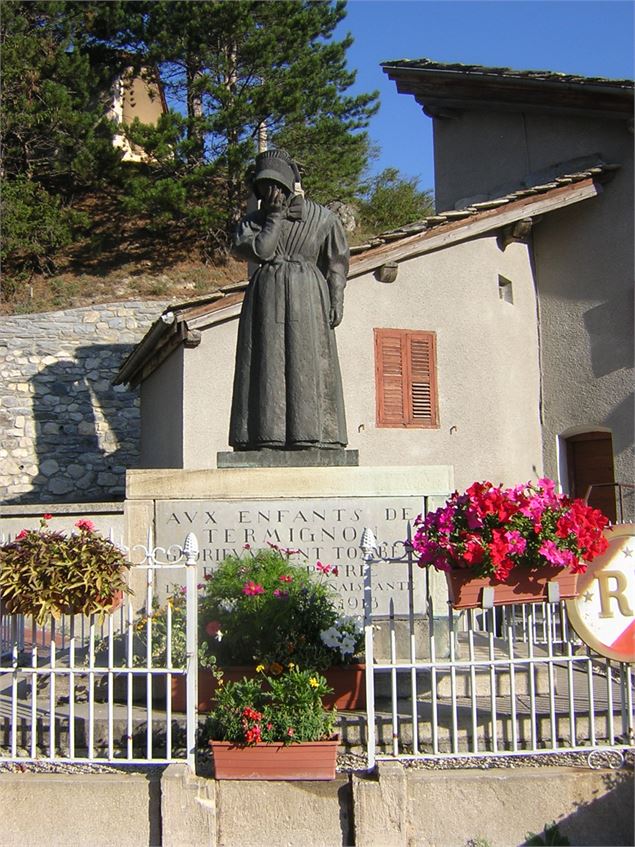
(368, 544)
(190, 550)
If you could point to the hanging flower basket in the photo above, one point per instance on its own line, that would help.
(499, 546)
(304, 760)
(466, 591)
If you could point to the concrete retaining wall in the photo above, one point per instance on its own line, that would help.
(398, 808)
(67, 433)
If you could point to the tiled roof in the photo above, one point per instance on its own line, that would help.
(599, 171)
(444, 89)
(511, 73)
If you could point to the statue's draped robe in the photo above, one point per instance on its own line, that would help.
(287, 383)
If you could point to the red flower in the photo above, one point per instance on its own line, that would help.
(335, 571)
(251, 588)
(22, 534)
(47, 517)
(285, 578)
(212, 627)
(291, 732)
(84, 525)
(325, 569)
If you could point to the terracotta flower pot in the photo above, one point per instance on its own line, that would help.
(347, 681)
(304, 760)
(524, 585)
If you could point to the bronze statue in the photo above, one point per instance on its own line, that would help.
(287, 383)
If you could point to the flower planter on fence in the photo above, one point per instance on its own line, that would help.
(524, 585)
(304, 760)
(347, 681)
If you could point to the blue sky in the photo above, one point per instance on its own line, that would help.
(588, 37)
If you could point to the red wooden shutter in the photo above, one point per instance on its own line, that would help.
(405, 378)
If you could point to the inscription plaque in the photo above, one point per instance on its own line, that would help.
(320, 529)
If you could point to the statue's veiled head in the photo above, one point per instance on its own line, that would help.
(275, 166)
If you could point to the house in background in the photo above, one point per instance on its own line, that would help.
(135, 95)
(493, 336)
(498, 130)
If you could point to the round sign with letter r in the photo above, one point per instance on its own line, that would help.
(603, 613)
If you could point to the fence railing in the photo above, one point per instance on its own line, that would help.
(81, 689)
(511, 681)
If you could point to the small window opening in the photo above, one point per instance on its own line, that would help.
(505, 289)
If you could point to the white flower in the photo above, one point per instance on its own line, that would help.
(219, 635)
(347, 645)
(330, 637)
(227, 605)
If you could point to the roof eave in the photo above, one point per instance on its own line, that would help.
(435, 88)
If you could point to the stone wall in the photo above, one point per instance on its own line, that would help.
(68, 435)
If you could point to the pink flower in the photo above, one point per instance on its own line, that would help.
(246, 546)
(251, 588)
(285, 578)
(325, 569)
(278, 592)
(84, 525)
(335, 570)
(517, 543)
(22, 534)
(552, 553)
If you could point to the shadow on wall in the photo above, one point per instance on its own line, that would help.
(610, 329)
(607, 820)
(86, 430)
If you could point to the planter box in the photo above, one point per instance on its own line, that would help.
(347, 681)
(304, 760)
(524, 585)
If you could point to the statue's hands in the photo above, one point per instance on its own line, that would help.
(274, 198)
(336, 314)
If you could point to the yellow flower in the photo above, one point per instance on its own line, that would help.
(291, 666)
(313, 682)
(260, 668)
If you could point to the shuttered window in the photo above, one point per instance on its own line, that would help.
(405, 378)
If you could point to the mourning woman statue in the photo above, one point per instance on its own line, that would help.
(287, 383)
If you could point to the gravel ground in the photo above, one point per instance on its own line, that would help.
(355, 762)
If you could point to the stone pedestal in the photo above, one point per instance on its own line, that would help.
(311, 458)
(319, 511)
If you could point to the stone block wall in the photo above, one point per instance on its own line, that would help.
(68, 434)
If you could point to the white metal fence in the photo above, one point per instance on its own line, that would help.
(512, 681)
(81, 689)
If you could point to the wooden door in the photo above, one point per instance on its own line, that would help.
(590, 463)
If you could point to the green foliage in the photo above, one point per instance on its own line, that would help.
(168, 633)
(283, 709)
(55, 138)
(34, 225)
(230, 71)
(260, 607)
(45, 573)
(551, 836)
(392, 201)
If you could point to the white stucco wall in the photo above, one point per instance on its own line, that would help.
(488, 376)
(490, 153)
(584, 269)
(488, 373)
(583, 264)
(162, 415)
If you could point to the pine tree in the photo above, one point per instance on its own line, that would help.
(56, 140)
(233, 71)
(393, 200)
